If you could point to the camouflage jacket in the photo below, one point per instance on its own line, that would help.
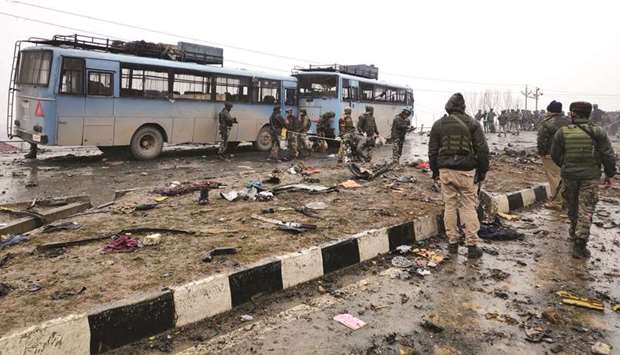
(400, 126)
(225, 120)
(550, 124)
(366, 124)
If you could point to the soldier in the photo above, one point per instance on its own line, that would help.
(400, 126)
(32, 154)
(580, 149)
(293, 127)
(346, 129)
(597, 116)
(302, 138)
(485, 123)
(459, 158)
(226, 122)
(276, 123)
(479, 116)
(491, 120)
(553, 121)
(503, 120)
(324, 129)
(367, 125)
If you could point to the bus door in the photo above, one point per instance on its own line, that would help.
(102, 77)
(70, 101)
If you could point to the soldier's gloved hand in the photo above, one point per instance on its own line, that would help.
(479, 177)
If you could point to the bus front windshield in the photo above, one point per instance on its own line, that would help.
(318, 85)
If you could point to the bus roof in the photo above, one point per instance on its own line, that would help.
(352, 77)
(124, 58)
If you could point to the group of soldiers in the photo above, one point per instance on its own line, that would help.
(356, 142)
(573, 149)
(509, 121)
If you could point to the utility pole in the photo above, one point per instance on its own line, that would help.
(527, 93)
(537, 94)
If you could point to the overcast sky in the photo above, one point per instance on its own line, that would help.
(570, 49)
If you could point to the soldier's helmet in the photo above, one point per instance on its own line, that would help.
(228, 105)
(347, 110)
(370, 109)
(303, 112)
(276, 108)
(406, 111)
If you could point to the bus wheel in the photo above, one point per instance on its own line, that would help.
(147, 143)
(263, 140)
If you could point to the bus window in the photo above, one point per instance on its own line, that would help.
(191, 87)
(138, 82)
(72, 76)
(232, 89)
(317, 85)
(34, 68)
(100, 84)
(268, 92)
(367, 90)
(291, 97)
(350, 90)
(380, 93)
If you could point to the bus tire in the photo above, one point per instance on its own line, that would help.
(263, 140)
(147, 143)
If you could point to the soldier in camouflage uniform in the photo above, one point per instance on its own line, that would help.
(400, 126)
(226, 122)
(597, 116)
(553, 121)
(324, 129)
(346, 129)
(490, 121)
(302, 139)
(367, 125)
(580, 149)
(293, 127)
(276, 123)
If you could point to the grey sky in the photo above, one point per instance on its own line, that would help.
(570, 49)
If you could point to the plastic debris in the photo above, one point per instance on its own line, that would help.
(264, 196)
(160, 199)
(152, 239)
(406, 179)
(13, 239)
(349, 321)
(404, 249)
(61, 226)
(401, 262)
(600, 348)
(219, 251)
(375, 171)
(230, 196)
(246, 318)
(590, 303)
(316, 205)
(287, 226)
(350, 184)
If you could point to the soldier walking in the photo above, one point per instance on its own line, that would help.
(491, 121)
(302, 139)
(367, 125)
(459, 158)
(553, 121)
(346, 129)
(226, 122)
(400, 126)
(580, 149)
(293, 127)
(276, 123)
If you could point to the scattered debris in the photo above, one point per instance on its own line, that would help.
(230, 196)
(360, 172)
(316, 205)
(177, 188)
(246, 318)
(219, 251)
(160, 199)
(34, 287)
(151, 240)
(61, 295)
(401, 262)
(496, 231)
(406, 179)
(600, 348)
(203, 197)
(265, 196)
(615, 308)
(12, 239)
(349, 321)
(431, 326)
(504, 318)
(121, 243)
(536, 334)
(404, 249)
(311, 188)
(350, 184)
(4, 289)
(5, 259)
(571, 299)
(145, 206)
(508, 217)
(288, 226)
(422, 272)
(50, 228)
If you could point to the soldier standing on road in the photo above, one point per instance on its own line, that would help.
(400, 126)
(276, 123)
(367, 125)
(293, 126)
(346, 129)
(553, 121)
(580, 149)
(324, 129)
(226, 122)
(479, 117)
(459, 158)
(491, 120)
(597, 116)
(302, 139)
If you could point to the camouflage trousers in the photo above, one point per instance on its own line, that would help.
(275, 145)
(397, 148)
(345, 142)
(581, 197)
(293, 139)
(224, 133)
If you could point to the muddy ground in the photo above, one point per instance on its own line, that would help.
(49, 286)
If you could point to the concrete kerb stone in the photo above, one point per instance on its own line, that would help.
(182, 305)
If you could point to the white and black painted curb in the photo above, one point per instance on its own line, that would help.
(130, 320)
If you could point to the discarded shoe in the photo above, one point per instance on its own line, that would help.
(453, 248)
(580, 249)
(473, 252)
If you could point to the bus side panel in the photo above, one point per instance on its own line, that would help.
(70, 112)
(132, 113)
(205, 123)
(251, 118)
(318, 106)
(184, 117)
(384, 115)
(99, 110)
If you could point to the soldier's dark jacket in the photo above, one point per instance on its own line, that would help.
(366, 124)
(581, 157)
(225, 119)
(345, 124)
(400, 126)
(457, 145)
(293, 123)
(276, 121)
(551, 123)
(305, 123)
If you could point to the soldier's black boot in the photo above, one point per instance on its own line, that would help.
(32, 154)
(203, 198)
(473, 252)
(580, 249)
(453, 248)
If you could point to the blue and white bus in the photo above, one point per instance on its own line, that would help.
(331, 88)
(72, 96)
(80, 90)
